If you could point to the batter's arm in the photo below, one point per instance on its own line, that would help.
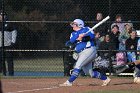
(73, 37)
(137, 62)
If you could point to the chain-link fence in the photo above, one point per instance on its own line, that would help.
(43, 28)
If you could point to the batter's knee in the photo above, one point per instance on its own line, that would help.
(90, 72)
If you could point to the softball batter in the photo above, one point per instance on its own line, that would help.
(86, 53)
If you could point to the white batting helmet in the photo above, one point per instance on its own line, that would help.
(79, 22)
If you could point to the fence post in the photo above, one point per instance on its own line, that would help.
(110, 62)
(2, 42)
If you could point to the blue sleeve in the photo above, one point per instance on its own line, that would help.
(90, 34)
(73, 37)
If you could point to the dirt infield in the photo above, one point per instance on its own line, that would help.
(50, 85)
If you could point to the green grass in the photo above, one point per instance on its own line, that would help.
(115, 91)
(48, 64)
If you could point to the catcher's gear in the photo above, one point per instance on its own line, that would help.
(121, 68)
(100, 62)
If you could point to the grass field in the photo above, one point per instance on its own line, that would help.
(42, 64)
(39, 66)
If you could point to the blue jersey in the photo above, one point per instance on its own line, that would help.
(138, 44)
(82, 44)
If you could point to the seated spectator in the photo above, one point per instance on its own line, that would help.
(125, 35)
(101, 63)
(131, 44)
(137, 68)
(114, 34)
(138, 48)
(118, 22)
(105, 45)
(97, 39)
(121, 56)
(102, 29)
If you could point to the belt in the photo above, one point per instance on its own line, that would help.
(84, 49)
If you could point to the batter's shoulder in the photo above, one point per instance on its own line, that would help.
(87, 27)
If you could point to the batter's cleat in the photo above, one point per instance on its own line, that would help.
(106, 82)
(66, 84)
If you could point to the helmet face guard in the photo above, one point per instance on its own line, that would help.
(77, 22)
(72, 24)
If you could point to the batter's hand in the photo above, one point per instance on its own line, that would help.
(81, 37)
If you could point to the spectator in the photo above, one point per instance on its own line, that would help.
(137, 68)
(102, 61)
(138, 48)
(102, 29)
(118, 22)
(105, 45)
(131, 44)
(121, 56)
(125, 35)
(114, 34)
(97, 39)
(10, 34)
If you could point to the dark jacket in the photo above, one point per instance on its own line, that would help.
(114, 40)
(105, 46)
(131, 42)
(102, 29)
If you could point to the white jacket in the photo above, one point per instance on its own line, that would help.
(9, 37)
